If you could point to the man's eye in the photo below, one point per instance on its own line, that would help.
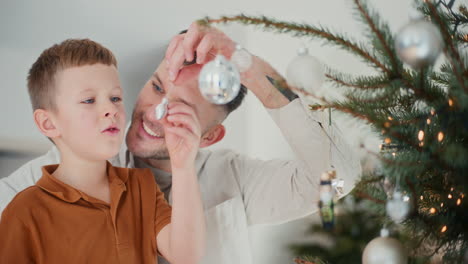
(116, 99)
(157, 87)
(88, 101)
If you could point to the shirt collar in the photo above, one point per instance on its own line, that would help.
(69, 194)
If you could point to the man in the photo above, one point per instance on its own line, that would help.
(237, 191)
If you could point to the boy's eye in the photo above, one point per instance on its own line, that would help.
(116, 99)
(157, 87)
(88, 101)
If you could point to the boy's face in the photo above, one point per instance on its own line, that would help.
(90, 116)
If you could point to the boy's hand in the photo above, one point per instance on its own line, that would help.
(182, 133)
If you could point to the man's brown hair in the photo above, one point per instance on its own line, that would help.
(69, 53)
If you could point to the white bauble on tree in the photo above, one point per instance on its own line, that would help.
(398, 207)
(305, 72)
(219, 81)
(419, 43)
(384, 250)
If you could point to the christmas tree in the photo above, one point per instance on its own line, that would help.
(421, 113)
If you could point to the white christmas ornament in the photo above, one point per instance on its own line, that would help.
(241, 58)
(419, 43)
(305, 72)
(384, 250)
(219, 81)
(161, 110)
(398, 207)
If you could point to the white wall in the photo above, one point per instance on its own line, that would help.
(138, 31)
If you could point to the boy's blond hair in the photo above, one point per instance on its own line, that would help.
(69, 53)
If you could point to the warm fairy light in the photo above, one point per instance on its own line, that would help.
(390, 118)
(444, 228)
(422, 198)
(380, 146)
(451, 189)
(393, 154)
(458, 201)
(421, 135)
(440, 136)
(428, 121)
(450, 196)
(421, 144)
(406, 198)
(432, 111)
(388, 141)
(442, 205)
(383, 131)
(433, 210)
(463, 195)
(450, 102)
(387, 124)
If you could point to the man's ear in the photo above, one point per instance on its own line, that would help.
(45, 123)
(215, 134)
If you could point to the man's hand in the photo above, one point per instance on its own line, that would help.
(182, 133)
(205, 41)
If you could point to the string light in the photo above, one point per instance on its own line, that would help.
(387, 124)
(390, 118)
(393, 154)
(421, 144)
(388, 141)
(451, 189)
(450, 102)
(458, 201)
(432, 111)
(380, 146)
(422, 198)
(444, 228)
(421, 135)
(450, 196)
(442, 205)
(433, 210)
(440, 136)
(428, 121)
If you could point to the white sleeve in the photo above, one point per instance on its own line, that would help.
(278, 191)
(27, 175)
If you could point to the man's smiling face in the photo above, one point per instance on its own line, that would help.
(145, 137)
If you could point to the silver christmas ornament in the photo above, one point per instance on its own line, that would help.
(161, 110)
(305, 72)
(398, 207)
(219, 81)
(241, 58)
(419, 43)
(384, 250)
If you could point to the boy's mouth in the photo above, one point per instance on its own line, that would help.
(112, 130)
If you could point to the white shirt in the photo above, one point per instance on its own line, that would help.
(238, 191)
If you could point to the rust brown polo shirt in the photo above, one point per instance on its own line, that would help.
(53, 222)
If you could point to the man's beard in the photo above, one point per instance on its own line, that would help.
(156, 154)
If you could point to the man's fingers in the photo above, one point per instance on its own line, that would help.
(180, 108)
(175, 62)
(173, 45)
(191, 39)
(203, 49)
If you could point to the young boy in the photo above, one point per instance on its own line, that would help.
(84, 210)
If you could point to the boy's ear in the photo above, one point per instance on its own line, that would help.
(215, 134)
(44, 122)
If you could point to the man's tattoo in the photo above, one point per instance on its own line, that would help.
(282, 88)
